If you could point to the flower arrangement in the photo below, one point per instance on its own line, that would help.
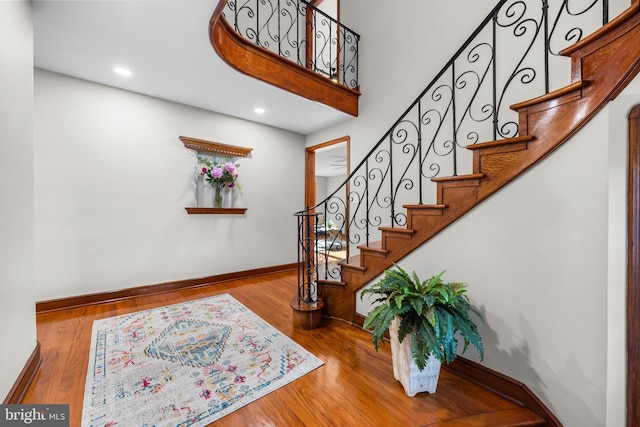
(218, 175)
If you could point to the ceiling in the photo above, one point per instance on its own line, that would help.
(331, 160)
(165, 43)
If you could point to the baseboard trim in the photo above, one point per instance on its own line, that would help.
(101, 297)
(358, 319)
(503, 385)
(26, 377)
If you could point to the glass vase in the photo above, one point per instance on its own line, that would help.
(217, 199)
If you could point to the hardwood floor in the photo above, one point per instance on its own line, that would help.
(355, 387)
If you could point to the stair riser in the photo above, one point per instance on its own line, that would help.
(462, 196)
(417, 214)
(493, 164)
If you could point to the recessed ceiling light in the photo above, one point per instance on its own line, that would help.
(122, 71)
(259, 110)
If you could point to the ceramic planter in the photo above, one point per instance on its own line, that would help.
(405, 369)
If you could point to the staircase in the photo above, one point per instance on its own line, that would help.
(601, 66)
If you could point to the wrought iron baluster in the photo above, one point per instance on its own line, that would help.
(494, 60)
(453, 118)
(257, 22)
(298, 32)
(342, 76)
(330, 60)
(420, 160)
(368, 217)
(391, 186)
(324, 246)
(547, 48)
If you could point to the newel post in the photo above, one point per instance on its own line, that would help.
(306, 305)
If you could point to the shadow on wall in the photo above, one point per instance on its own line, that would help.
(516, 363)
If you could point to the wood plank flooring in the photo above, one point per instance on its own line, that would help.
(355, 387)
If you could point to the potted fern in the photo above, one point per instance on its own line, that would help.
(424, 320)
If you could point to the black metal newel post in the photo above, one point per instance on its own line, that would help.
(306, 306)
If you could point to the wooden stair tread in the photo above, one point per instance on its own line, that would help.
(337, 283)
(573, 87)
(352, 262)
(458, 177)
(373, 247)
(397, 230)
(435, 207)
(501, 142)
(506, 417)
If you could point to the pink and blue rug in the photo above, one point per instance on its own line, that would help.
(186, 364)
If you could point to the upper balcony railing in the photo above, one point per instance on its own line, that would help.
(298, 31)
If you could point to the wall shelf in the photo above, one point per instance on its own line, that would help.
(204, 146)
(216, 211)
(225, 150)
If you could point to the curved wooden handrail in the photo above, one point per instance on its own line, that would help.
(608, 64)
(271, 68)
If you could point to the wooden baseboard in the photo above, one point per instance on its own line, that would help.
(358, 319)
(101, 297)
(17, 392)
(503, 385)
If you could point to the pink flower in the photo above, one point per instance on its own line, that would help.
(216, 172)
(204, 171)
(230, 167)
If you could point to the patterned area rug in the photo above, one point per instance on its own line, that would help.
(186, 364)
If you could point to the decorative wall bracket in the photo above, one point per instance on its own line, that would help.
(203, 146)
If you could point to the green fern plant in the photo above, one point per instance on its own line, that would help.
(432, 310)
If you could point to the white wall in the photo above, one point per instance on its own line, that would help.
(619, 110)
(524, 261)
(330, 7)
(112, 180)
(321, 188)
(17, 302)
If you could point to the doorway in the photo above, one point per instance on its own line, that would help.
(326, 170)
